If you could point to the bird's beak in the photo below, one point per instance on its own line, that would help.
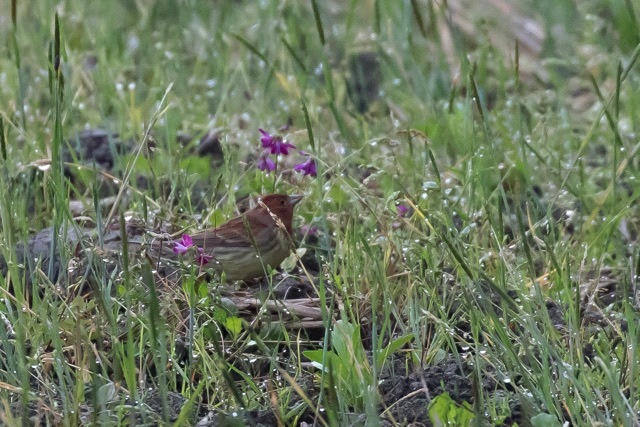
(295, 199)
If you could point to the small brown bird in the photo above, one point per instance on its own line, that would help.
(246, 245)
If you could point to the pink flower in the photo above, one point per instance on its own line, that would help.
(202, 258)
(182, 246)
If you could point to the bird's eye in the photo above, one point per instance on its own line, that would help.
(283, 202)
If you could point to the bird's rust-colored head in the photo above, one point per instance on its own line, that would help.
(280, 205)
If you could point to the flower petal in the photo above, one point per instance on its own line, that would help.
(307, 168)
(202, 258)
(187, 240)
(181, 246)
(267, 139)
(266, 164)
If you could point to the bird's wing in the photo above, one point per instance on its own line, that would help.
(233, 233)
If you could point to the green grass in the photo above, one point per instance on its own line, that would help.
(517, 261)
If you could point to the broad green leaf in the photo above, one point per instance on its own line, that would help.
(445, 412)
(545, 420)
(233, 325)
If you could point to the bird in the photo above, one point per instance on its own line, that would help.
(243, 248)
(246, 246)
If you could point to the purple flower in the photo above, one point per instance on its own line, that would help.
(402, 210)
(280, 146)
(266, 139)
(182, 246)
(311, 230)
(202, 258)
(307, 168)
(274, 143)
(265, 164)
